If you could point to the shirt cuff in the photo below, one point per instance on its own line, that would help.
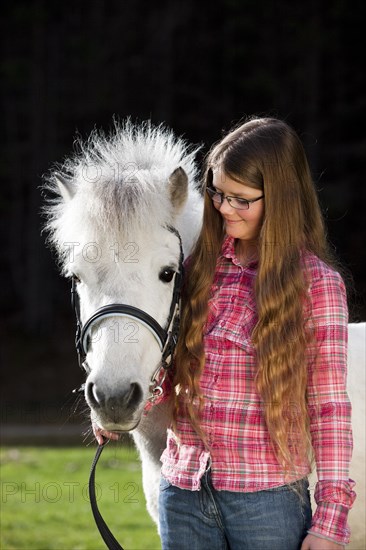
(310, 532)
(334, 500)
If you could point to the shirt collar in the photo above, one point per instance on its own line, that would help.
(228, 251)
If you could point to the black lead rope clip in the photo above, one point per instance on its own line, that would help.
(107, 536)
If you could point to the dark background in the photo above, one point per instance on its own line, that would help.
(68, 67)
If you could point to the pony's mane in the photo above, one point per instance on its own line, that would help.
(119, 182)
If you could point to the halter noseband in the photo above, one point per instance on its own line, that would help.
(165, 337)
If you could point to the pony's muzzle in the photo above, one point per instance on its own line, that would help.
(115, 404)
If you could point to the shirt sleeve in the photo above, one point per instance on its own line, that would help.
(330, 408)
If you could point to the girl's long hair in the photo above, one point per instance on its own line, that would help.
(266, 154)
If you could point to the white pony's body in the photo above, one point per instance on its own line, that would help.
(117, 199)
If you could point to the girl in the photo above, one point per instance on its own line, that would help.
(260, 377)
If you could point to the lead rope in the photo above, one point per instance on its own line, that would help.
(168, 351)
(106, 534)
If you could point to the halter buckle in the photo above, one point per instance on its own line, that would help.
(156, 386)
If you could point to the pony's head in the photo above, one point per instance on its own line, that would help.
(117, 201)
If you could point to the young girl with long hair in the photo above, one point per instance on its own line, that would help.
(259, 387)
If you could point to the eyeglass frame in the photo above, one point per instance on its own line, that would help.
(211, 191)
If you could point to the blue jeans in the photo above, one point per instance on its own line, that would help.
(274, 519)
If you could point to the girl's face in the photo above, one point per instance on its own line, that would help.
(244, 225)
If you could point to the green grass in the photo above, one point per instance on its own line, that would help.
(45, 505)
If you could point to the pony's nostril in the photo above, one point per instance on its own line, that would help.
(134, 396)
(95, 396)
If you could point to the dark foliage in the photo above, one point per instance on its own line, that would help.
(197, 66)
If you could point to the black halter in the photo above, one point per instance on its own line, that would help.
(167, 339)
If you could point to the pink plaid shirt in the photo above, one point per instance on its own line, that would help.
(239, 448)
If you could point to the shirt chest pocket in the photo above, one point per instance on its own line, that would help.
(232, 317)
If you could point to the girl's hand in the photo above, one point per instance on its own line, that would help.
(99, 434)
(312, 542)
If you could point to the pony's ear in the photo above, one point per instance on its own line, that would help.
(66, 188)
(178, 188)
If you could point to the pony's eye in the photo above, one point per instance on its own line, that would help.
(76, 278)
(166, 274)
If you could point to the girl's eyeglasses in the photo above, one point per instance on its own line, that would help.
(235, 202)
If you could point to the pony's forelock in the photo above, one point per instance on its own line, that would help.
(119, 182)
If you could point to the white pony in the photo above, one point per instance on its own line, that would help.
(119, 203)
